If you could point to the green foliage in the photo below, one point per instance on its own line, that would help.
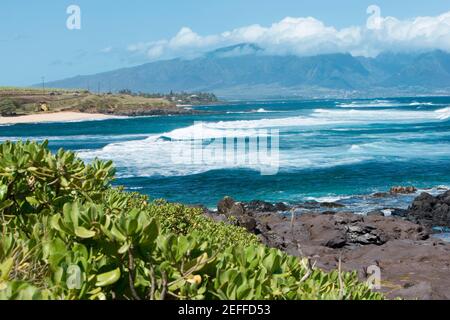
(192, 98)
(67, 234)
(7, 107)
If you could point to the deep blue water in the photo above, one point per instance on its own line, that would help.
(329, 149)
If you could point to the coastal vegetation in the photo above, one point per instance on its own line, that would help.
(25, 101)
(68, 234)
(184, 98)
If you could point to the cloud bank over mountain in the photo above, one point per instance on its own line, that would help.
(305, 36)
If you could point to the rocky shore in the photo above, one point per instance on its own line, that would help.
(413, 263)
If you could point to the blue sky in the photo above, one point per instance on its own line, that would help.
(35, 42)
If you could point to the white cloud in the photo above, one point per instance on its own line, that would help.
(308, 36)
(106, 50)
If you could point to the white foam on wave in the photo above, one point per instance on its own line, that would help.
(260, 110)
(331, 198)
(416, 103)
(401, 150)
(205, 131)
(152, 156)
(384, 104)
(443, 114)
(376, 116)
(266, 123)
(371, 104)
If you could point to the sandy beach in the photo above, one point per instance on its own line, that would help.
(55, 117)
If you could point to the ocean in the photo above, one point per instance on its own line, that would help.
(329, 150)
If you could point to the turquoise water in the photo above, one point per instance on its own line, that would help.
(329, 150)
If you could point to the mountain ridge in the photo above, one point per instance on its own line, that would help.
(247, 71)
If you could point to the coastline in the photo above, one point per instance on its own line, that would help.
(63, 116)
(412, 262)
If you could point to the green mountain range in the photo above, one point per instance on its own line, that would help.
(248, 71)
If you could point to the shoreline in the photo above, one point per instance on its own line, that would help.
(412, 262)
(63, 116)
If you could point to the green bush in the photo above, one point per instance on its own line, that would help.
(7, 107)
(67, 234)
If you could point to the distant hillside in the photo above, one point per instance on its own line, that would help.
(23, 101)
(245, 71)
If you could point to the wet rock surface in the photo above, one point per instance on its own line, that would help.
(431, 211)
(403, 190)
(413, 265)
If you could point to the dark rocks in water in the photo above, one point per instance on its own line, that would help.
(331, 205)
(328, 212)
(230, 208)
(445, 197)
(430, 211)
(377, 213)
(236, 210)
(399, 212)
(225, 205)
(380, 195)
(403, 190)
(395, 191)
(311, 205)
(308, 205)
(262, 206)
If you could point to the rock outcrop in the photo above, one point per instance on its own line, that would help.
(429, 211)
(413, 265)
(402, 190)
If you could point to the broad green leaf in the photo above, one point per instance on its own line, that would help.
(84, 233)
(6, 204)
(117, 234)
(124, 248)
(108, 278)
(56, 250)
(3, 192)
(33, 201)
(5, 268)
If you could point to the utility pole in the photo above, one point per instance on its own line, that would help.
(98, 88)
(43, 85)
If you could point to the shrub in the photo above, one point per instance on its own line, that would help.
(7, 107)
(67, 234)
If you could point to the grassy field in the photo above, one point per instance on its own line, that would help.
(25, 101)
(32, 91)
